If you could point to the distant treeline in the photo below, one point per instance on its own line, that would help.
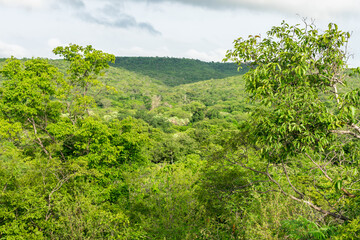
(177, 71)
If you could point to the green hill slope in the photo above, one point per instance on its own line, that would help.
(219, 98)
(177, 71)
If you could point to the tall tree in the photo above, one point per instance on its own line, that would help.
(48, 133)
(29, 97)
(86, 64)
(302, 119)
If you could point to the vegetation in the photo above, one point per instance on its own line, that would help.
(160, 148)
(176, 71)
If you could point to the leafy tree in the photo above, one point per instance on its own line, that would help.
(164, 202)
(173, 148)
(28, 97)
(42, 180)
(86, 64)
(132, 137)
(302, 120)
(157, 121)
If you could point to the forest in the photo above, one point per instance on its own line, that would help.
(261, 146)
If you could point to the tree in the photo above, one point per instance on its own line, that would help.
(52, 144)
(37, 96)
(302, 121)
(86, 64)
(29, 97)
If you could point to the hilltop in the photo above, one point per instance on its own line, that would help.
(177, 71)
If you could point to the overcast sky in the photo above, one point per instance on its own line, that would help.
(199, 29)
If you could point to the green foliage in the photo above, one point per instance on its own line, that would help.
(301, 118)
(349, 231)
(302, 228)
(174, 71)
(292, 67)
(28, 91)
(9, 130)
(163, 200)
(171, 156)
(157, 121)
(86, 64)
(46, 193)
(198, 111)
(221, 191)
(133, 137)
(174, 148)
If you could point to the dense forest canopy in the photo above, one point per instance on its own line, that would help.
(177, 71)
(98, 147)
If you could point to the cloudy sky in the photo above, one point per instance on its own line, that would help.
(199, 29)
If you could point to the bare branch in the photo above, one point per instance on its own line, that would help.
(347, 193)
(357, 128)
(32, 121)
(317, 190)
(319, 167)
(317, 208)
(335, 215)
(57, 187)
(288, 179)
(336, 94)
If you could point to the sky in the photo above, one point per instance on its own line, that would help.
(198, 29)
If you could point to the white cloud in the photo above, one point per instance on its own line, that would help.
(215, 55)
(311, 8)
(24, 3)
(140, 51)
(189, 28)
(117, 20)
(54, 42)
(136, 51)
(8, 50)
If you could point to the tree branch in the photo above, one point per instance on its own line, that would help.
(354, 126)
(347, 193)
(336, 94)
(319, 167)
(32, 121)
(57, 187)
(288, 179)
(317, 208)
(345, 132)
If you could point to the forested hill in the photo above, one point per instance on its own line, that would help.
(165, 148)
(172, 71)
(177, 71)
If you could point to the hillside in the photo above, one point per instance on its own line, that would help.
(146, 157)
(138, 95)
(177, 71)
(168, 148)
